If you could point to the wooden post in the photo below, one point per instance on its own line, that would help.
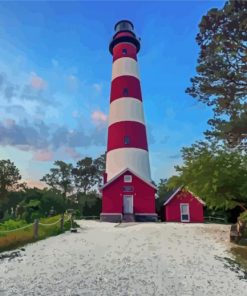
(36, 229)
(62, 222)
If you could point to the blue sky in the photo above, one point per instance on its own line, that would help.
(55, 72)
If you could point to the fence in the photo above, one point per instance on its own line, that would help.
(37, 224)
(213, 219)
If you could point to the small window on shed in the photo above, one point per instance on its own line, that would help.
(125, 92)
(126, 140)
(124, 51)
(127, 178)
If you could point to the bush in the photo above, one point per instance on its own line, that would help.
(243, 216)
(21, 237)
(12, 224)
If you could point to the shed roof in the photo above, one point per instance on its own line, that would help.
(170, 195)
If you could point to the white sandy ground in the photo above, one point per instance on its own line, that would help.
(128, 259)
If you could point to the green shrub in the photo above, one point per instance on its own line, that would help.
(12, 224)
(243, 216)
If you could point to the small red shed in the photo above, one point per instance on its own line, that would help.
(182, 205)
(128, 197)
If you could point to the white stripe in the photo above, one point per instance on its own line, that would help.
(126, 109)
(135, 159)
(125, 66)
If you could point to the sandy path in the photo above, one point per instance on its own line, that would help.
(130, 259)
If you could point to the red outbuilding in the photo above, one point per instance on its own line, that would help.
(183, 206)
(128, 197)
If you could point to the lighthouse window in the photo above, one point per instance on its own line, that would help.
(128, 179)
(125, 92)
(124, 51)
(126, 140)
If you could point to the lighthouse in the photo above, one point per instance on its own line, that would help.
(128, 193)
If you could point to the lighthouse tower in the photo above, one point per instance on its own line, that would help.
(127, 193)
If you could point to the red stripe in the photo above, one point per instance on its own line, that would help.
(120, 83)
(136, 132)
(118, 51)
(120, 34)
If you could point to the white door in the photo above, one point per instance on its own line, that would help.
(185, 212)
(128, 204)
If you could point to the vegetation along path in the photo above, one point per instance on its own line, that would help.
(127, 259)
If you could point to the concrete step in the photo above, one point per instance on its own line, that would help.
(128, 218)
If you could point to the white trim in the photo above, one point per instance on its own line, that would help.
(200, 200)
(125, 66)
(131, 197)
(188, 207)
(126, 109)
(171, 197)
(180, 188)
(121, 173)
(127, 178)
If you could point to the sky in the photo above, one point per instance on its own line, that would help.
(55, 74)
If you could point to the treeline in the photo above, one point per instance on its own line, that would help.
(69, 187)
(215, 168)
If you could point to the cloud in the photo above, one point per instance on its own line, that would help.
(9, 123)
(43, 155)
(37, 82)
(23, 135)
(7, 89)
(33, 90)
(35, 183)
(174, 156)
(97, 87)
(98, 117)
(73, 82)
(164, 139)
(72, 153)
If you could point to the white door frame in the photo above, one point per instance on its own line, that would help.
(130, 204)
(188, 212)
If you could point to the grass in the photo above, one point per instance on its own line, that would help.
(15, 239)
(240, 254)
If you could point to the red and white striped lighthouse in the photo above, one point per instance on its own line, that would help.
(127, 148)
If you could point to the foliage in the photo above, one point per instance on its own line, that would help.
(32, 203)
(19, 238)
(215, 174)
(243, 216)
(60, 177)
(9, 177)
(100, 164)
(12, 224)
(85, 175)
(89, 204)
(162, 191)
(221, 80)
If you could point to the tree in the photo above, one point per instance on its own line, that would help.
(60, 177)
(100, 164)
(85, 175)
(216, 174)
(162, 192)
(221, 80)
(9, 177)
